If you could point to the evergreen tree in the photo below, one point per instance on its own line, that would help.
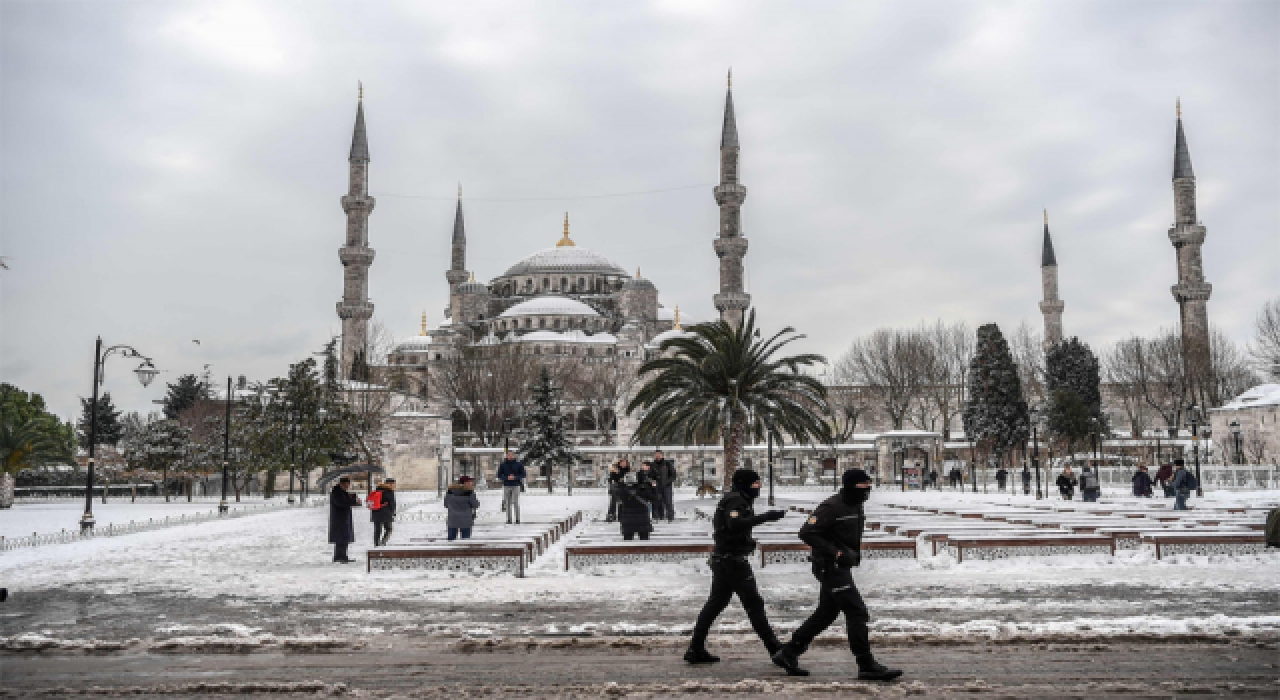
(33, 435)
(546, 444)
(109, 429)
(995, 412)
(1073, 379)
(184, 394)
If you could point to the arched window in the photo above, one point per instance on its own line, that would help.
(542, 323)
(582, 284)
(556, 323)
(528, 323)
(586, 421)
(546, 283)
(564, 284)
(459, 422)
(481, 318)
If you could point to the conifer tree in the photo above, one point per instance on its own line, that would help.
(995, 412)
(1073, 380)
(109, 429)
(546, 444)
(183, 394)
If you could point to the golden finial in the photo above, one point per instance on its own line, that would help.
(730, 76)
(677, 323)
(638, 276)
(424, 324)
(1177, 105)
(473, 277)
(566, 241)
(360, 89)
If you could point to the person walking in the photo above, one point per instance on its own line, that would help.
(382, 511)
(342, 531)
(664, 476)
(1184, 482)
(834, 535)
(1090, 486)
(1164, 477)
(634, 495)
(933, 478)
(1066, 484)
(1026, 480)
(511, 474)
(1002, 478)
(954, 476)
(617, 472)
(1142, 483)
(461, 503)
(731, 567)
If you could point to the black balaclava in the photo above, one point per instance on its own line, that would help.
(742, 481)
(851, 494)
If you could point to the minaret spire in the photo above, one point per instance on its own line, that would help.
(1051, 307)
(730, 245)
(457, 273)
(355, 309)
(1192, 291)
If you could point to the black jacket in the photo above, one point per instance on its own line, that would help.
(1066, 484)
(616, 473)
(732, 524)
(1002, 475)
(341, 529)
(387, 512)
(633, 506)
(1141, 483)
(835, 527)
(664, 472)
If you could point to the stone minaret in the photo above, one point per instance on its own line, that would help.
(730, 246)
(1052, 306)
(457, 273)
(356, 256)
(1187, 235)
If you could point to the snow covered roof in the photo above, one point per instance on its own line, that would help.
(665, 314)
(550, 305)
(565, 259)
(573, 336)
(666, 335)
(416, 343)
(1261, 395)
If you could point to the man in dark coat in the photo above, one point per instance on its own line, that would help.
(1066, 484)
(834, 535)
(385, 513)
(617, 473)
(664, 476)
(635, 495)
(511, 474)
(730, 566)
(1002, 478)
(1026, 480)
(1142, 483)
(342, 531)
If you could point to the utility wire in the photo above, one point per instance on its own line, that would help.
(547, 199)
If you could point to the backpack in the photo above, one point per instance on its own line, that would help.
(374, 501)
(1088, 482)
(1189, 481)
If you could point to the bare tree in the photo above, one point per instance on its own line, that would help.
(1230, 374)
(1265, 348)
(1124, 374)
(1254, 445)
(947, 370)
(1027, 346)
(892, 363)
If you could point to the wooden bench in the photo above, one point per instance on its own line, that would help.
(633, 552)
(794, 552)
(451, 557)
(1205, 542)
(1003, 546)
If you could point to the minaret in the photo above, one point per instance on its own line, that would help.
(1187, 235)
(457, 273)
(356, 256)
(730, 246)
(1052, 306)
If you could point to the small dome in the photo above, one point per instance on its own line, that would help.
(637, 283)
(565, 259)
(665, 314)
(667, 335)
(417, 343)
(551, 305)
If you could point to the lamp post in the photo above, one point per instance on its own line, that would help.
(771, 501)
(1234, 425)
(145, 372)
(440, 473)
(226, 450)
(1193, 419)
(1036, 412)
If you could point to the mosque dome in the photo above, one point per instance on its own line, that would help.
(565, 257)
(550, 305)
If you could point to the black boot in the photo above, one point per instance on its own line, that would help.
(787, 658)
(700, 656)
(876, 671)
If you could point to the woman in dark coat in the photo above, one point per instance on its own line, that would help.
(635, 496)
(342, 531)
(620, 469)
(1142, 483)
(461, 502)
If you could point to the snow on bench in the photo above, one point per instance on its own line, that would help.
(635, 552)
(1243, 542)
(1004, 546)
(502, 550)
(872, 548)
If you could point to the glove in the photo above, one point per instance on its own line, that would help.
(775, 515)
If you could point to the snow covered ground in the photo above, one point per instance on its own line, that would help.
(270, 576)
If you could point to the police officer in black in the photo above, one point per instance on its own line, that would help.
(730, 570)
(834, 534)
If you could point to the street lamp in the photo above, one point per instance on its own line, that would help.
(226, 450)
(771, 501)
(1037, 412)
(1234, 425)
(146, 372)
(1194, 419)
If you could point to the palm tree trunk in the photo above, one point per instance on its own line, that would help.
(734, 437)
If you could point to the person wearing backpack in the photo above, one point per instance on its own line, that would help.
(382, 510)
(1090, 487)
(1184, 482)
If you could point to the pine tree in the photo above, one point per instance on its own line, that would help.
(995, 412)
(547, 445)
(1073, 379)
(109, 431)
(184, 394)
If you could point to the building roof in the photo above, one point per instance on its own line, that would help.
(359, 142)
(565, 259)
(573, 336)
(416, 343)
(1181, 154)
(1261, 395)
(1047, 258)
(669, 334)
(550, 305)
(729, 132)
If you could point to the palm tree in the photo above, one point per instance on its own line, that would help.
(722, 382)
(28, 443)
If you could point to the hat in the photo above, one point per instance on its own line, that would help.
(389, 481)
(344, 480)
(744, 478)
(853, 477)
(1179, 463)
(465, 479)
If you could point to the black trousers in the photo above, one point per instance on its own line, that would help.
(730, 575)
(629, 535)
(838, 594)
(381, 532)
(339, 551)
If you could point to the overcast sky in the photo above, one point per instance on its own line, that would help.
(171, 171)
